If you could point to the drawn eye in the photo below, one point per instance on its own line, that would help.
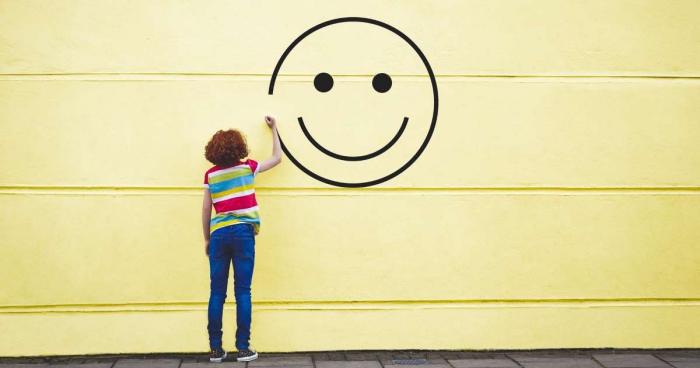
(323, 82)
(381, 82)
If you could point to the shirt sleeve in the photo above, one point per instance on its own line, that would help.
(206, 179)
(254, 166)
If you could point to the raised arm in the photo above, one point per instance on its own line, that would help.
(276, 157)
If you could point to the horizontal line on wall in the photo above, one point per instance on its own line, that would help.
(263, 191)
(343, 77)
(359, 305)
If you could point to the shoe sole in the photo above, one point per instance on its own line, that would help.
(218, 360)
(247, 359)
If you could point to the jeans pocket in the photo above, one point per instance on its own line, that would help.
(243, 230)
(216, 242)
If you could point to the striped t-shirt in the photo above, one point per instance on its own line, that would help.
(233, 194)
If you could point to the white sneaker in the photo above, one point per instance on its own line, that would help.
(247, 355)
(218, 355)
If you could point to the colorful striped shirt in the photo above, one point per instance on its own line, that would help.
(233, 194)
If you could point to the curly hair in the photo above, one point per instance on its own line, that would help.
(226, 147)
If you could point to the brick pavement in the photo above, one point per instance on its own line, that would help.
(560, 358)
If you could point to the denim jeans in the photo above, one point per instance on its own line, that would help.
(231, 244)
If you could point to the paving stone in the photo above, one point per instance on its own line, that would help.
(385, 359)
(686, 364)
(357, 364)
(526, 353)
(449, 355)
(147, 363)
(483, 363)
(629, 351)
(22, 360)
(435, 359)
(24, 365)
(336, 357)
(318, 357)
(400, 356)
(92, 360)
(473, 355)
(360, 357)
(284, 355)
(480, 355)
(562, 363)
(63, 360)
(208, 364)
(629, 361)
(417, 355)
(679, 357)
(279, 361)
(66, 360)
(523, 358)
(94, 365)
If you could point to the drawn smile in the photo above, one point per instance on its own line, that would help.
(352, 158)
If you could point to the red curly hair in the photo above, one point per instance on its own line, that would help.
(226, 147)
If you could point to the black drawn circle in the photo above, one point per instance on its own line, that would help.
(381, 82)
(433, 83)
(323, 82)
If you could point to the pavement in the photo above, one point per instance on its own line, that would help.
(559, 358)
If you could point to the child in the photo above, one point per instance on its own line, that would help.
(229, 237)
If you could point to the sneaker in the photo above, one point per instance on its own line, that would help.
(217, 355)
(247, 355)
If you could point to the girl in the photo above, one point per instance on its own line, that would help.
(229, 237)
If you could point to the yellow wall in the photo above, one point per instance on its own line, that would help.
(556, 205)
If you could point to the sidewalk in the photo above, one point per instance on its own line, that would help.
(560, 358)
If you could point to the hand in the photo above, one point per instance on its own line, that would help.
(271, 122)
(206, 247)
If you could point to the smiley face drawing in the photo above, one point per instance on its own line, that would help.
(381, 83)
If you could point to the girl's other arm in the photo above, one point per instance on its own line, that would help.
(276, 157)
(206, 218)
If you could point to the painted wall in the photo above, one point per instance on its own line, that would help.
(556, 205)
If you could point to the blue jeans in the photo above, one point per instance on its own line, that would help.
(231, 244)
